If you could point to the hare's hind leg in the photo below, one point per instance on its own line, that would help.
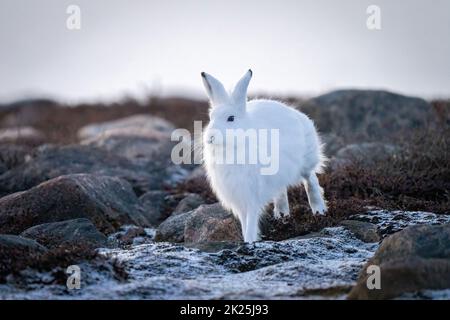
(281, 205)
(252, 227)
(315, 194)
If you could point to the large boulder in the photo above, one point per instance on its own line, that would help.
(357, 115)
(413, 259)
(74, 232)
(206, 223)
(53, 161)
(108, 202)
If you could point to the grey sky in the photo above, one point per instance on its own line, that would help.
(294, 47)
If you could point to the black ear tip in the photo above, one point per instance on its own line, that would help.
(203, 74)
(251, 72)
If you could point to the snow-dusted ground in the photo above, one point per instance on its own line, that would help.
(321, 266)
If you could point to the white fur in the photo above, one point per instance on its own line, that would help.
(241, 188)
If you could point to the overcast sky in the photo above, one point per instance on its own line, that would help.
(294, 47)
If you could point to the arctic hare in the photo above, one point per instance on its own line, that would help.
(242, 188)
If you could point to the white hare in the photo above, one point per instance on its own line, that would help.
(242, 188)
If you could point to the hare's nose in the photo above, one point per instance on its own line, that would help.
(211, 139)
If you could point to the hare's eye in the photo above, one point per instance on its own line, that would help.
(230, 119)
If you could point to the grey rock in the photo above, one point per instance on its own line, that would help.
(356, 115)
(365, 153)
(172, 229)
(157, 205)
(190, 202)
(13, 244)
(53, 161)
(214, 246)
(108, 202)
(136, 125)
(12, 155)
(76, 231)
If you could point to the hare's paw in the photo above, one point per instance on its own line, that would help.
(278, 214)
(319, 208)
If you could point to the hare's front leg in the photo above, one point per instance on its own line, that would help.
(315, 194)
(281, 205)
(252, 227)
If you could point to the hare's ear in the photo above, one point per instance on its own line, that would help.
(239, 95)
(215, 90)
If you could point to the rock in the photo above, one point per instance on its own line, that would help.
(214, 246)
(12, 156)
(333, 143)
(21, 134)
(53, 161)
(363, 231)
(76, 231)
(356, 115)
(107, 201)
(367, 153)
(16, 253)
(389, 222)
(137, 149)
(157, 205)
(413, 259)
(212, 223)
(12, 244)
(136, 125)
(206, 223)
(131, 233)
(172, 229)
(142, 139)
(190, 202)
(291, 269)
(27, 112)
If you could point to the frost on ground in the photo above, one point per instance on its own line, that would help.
(323, 265)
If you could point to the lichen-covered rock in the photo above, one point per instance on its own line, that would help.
(76, 231)
(108, 202)
(413, 259)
